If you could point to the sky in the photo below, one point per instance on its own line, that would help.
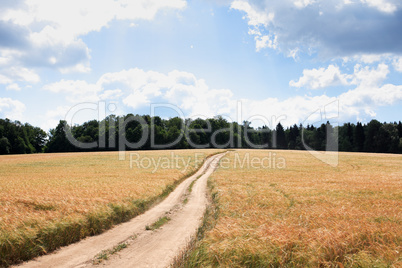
(288, 61)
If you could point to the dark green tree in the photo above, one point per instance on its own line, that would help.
(372, 130)
(280, 137)
(359, 138)
(5, 146)
(58, 141)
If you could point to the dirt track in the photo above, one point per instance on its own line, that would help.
(145, 248)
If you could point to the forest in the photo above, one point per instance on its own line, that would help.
(136, 132)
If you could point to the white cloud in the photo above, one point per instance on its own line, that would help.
(336, 28)
(367, 77)
(12, 109)
(72, 114)
(290, 111)
(48, 33)
(52, 117)
(5, 80)
(257, 20)
(182, 89)
(10, 74)
(321, 78)
(372, 97)
(254, 16)
(111, 94)
(381, 5)
(137, 100)
(397, 63)
(369, 58)
(369, 94)
(13, 86)
(59, 112)
(353, 105)
(303, 3)
(136, 88)
(265, 41)
(75, 91)
(332, 76)
(293, 53)
(78, 68)
(60, 27)
(365, 100)
(4, 61)
(23, 74)
(16, 73)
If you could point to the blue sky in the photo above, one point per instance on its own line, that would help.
(277, 60)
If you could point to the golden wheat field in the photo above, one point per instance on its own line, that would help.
(44, 197)
(46, 187)
(304, 213)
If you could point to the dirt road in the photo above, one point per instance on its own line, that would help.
(143, 248)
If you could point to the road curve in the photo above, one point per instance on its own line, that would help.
(145, 248)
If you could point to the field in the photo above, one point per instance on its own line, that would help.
(304, 213)
(49, 200)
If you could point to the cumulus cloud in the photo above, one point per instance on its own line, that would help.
(364, 76)
(367, 77)
(52, 117)
(12, 74)
(13, 86)
(136, 89)
(397, 63)
(258, 20)
(5, 80)
(11, 109)
(75, 90)
(381, 5)
(111, 94)
(368, 99)
(17, 73)
(369, 93)
(254, 16)
(59, 27)
(321, 78)
(182, 89)
(303, 3)
(354, 104)
(370, 58)
(333, 28)
(46, 33)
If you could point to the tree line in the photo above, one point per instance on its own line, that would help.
(18, 138)
(116, 132)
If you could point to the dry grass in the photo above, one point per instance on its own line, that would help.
(52, 191)
(307, 214)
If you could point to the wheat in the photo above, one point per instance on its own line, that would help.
(307, 213)
(50, 200)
